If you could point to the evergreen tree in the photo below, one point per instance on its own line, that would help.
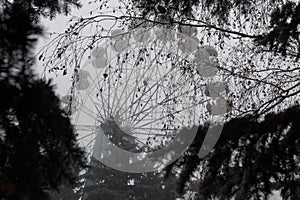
(38, 148)
(284, 23)
(105, 183)
(252, 158)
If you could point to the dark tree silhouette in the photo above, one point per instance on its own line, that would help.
(105, 183)
(283, 34)
(19, 28)
(252, 158)
(38, 148)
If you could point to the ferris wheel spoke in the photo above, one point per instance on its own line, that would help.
(100, 91)
(85, 127)
(103, 103)
(152, 128)
(145, 104)
(99, 113)
(154, 107)
(87, 135)
(134, 90)
(149, 89)
(115, 98)
(137, 100)
(128, 79)
(124, 91)
(175, 112)
(89, 112)
(89, 143)
(177, 96)
(144, 94)
(153, 135)
(84, 97)
(109, 94)
(151, 122)
(143, 111)
(90, 95)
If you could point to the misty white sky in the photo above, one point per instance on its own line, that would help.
(58, 25)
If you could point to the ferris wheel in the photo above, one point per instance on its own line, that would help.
(149, 83)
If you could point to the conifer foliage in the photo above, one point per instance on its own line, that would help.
(252, 158)
(38, 148)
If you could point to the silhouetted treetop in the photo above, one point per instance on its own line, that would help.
(19, 28)
(278, 20)
(252, 158)
(38, 148)
(46, 8)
